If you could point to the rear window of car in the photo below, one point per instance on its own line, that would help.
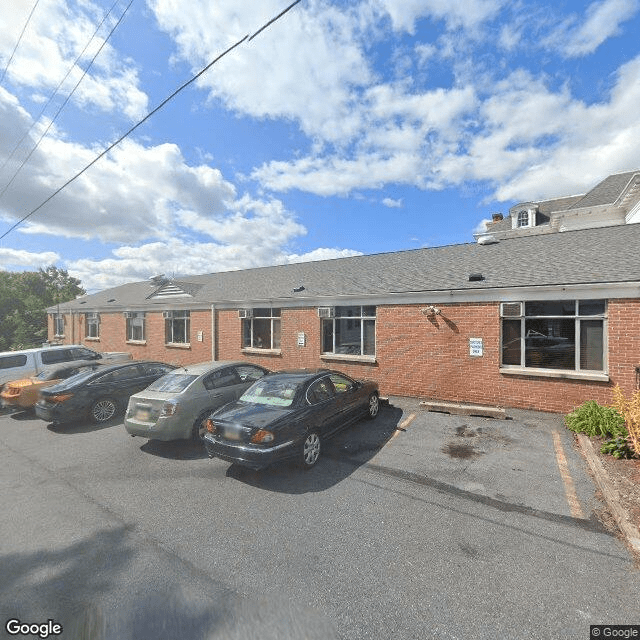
(56, 355)
(280, 393)
(172, 383)
(9, 362)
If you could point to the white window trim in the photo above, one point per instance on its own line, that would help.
(347, 356)
(576, 373)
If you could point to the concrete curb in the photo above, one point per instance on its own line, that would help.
(627, 527)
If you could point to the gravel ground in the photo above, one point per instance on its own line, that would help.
(624, 477)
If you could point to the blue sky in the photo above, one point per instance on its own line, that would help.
(344, 128)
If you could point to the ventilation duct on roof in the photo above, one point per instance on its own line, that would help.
(488, 240)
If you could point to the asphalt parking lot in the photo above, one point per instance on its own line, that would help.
(414, 525)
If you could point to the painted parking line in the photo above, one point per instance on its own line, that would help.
(569, 487)
(403, 426)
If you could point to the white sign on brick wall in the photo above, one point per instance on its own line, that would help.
(475, 347)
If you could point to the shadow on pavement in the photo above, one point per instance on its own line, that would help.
(82, 426)
(175, 449)
(340, 457)
(68, 585)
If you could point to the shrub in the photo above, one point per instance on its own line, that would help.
(618, 447)
(593, 419)
(630, 410)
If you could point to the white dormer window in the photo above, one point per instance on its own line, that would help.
(523, 218)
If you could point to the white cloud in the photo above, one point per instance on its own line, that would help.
(391, 203)
(603, 20)
(177, 258)
(468, 14)
(264, 78)
(17, 258)
(56, 35)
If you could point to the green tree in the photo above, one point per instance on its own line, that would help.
(24, 299)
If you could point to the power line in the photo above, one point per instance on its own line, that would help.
(55, 91)
(152, 112)
(64, 104)
(19, 39)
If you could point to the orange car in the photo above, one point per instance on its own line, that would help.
(23, 394)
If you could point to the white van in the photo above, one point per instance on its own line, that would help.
(15, 365)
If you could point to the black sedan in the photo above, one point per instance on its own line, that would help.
(287, 415)
(98, 394)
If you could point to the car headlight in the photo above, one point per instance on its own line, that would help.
(262, 436)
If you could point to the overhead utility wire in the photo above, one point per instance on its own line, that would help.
(64, 104)
(19, 39)
(162, 104)
(55, 91)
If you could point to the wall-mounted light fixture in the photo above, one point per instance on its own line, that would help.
(431, 311)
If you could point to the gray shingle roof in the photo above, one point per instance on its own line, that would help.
(591, 256)
(605, 192)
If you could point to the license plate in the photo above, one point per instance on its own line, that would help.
(233, 432)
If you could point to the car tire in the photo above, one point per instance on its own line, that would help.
(310, 450)
(374, 406)
(103, 410)
(196, 433)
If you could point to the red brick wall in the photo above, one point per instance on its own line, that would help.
(113, 337)
(416, 355)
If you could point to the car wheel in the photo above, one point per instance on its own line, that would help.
(374, 406)
(103, 410)
(198, 430)
(310, 449)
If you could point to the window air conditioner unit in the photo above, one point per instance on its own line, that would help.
(128, 314)
(245, 313)
(511, 309)
(326, 312)
(167, 315)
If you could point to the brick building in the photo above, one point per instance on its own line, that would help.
(538, 320)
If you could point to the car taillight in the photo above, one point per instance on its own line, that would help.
(168, 409)
(210, 425)
(261, 436)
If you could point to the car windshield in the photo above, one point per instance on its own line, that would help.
(271, 391)
(172, 382)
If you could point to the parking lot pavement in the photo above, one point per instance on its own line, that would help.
(415, 525)
(513, 463)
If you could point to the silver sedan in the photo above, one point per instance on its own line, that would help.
(174, 406)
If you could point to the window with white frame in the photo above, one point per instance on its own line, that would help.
(92, 325)
(261, 328)
(523, 218)
(563, 334)
(58, 324)
(135, 326)
(177, 327)
(351, 331)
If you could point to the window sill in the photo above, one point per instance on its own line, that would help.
(261, 352)
(178, 345)
(341, 357)
(139, 342)
(92, 339)
(593, 376)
